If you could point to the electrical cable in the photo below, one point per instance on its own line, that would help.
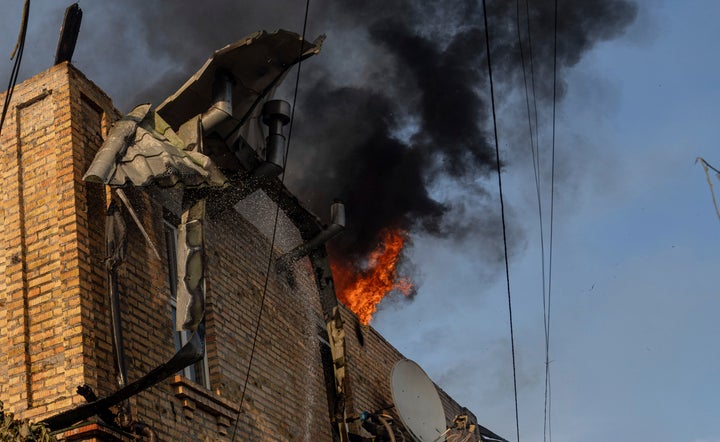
(275, 225)
(552, 219)
(534, 150)
(533, 142)
(19, 49)
(502, 215)
(532, 78)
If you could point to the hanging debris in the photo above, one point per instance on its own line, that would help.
(141, 149)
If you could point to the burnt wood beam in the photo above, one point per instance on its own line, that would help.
(68, 34)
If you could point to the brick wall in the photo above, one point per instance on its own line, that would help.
(284, 398)
(44, 210)
(54, 311)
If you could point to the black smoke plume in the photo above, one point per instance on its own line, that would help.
(396, 102)
(380, 143)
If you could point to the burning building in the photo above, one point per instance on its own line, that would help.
(142, 297)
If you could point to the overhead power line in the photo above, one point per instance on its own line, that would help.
(275, 226)
(548, 384)
(535, 154)
(502, 216)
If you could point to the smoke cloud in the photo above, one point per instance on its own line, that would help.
(396, 102)
(380, 142)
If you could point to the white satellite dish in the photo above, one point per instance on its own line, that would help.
(417, 401)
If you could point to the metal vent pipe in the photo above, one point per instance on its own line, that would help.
(221, 108)
(275, 115)
(337, 225)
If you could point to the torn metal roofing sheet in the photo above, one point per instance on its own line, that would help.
(257, 63)
(141, 149)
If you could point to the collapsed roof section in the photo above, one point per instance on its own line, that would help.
(258, 64)
(165, 146)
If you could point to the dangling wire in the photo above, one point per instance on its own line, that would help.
(502, 216)
(19, 49)
(275, 225)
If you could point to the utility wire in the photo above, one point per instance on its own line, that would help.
(275, 224)
(532, 78)
(502, 215)
(548, 385)
(535, 153)
(19, 49)
(545, 272)
(533, 142)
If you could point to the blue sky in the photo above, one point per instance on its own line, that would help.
(635, 297)
(635, 294)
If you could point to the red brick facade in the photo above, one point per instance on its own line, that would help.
(54, 312)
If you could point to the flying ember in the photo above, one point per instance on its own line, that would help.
(362, 290)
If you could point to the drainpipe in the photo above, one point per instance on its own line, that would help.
(190, 353)
(191, 262)
(115, 247)
(221, 108)
(337, 225)
(116, 244)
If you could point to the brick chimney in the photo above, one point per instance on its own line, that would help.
(51, 292)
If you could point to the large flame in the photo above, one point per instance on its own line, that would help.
(362, 290)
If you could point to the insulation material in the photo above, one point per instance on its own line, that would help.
(142, 149)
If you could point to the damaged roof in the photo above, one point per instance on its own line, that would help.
(141, 149)
(258, 63)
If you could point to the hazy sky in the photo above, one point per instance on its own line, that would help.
(635, 296)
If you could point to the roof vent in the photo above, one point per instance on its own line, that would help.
(275, 114)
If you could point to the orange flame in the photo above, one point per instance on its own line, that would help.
(362, 290)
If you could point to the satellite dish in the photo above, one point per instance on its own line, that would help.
(417, 401)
